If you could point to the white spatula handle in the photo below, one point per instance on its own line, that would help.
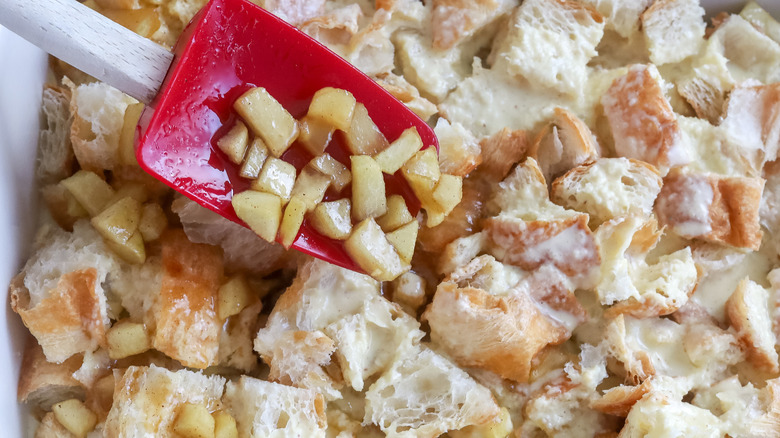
(90, 42)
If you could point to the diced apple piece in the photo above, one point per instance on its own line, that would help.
(234, 142)
(254, 160)
(261, 211)
(90, 190)
(362, 136)
(339, 175)
(368, 188)
(268, 119)
(126, 338)
(127, 134)
(422, 173)
(119, 222)
(399, 151)
(153, 222)
(233, 297)
(277, 177)
(397, 214)
(135, 190)
(292, 220)
(369, 248)
(448, 192)
(315, 135)
(403, 240)
(333, 106)
(194, 421)
(332, 219)
(311, 186)
(75, 417)
(64, 208)
(133, 251)
(225, 425)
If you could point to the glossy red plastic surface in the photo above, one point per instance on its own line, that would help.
(230, 46)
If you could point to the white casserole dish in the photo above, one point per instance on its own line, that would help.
(22, 73)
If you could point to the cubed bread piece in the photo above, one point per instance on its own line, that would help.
(523, 194)
(660, 413)
(761, 20)
(622, 16)
(42, 383)
(744, 410)
(407, 93)
(459, 150)
(643, 124)
(434, 72)
(715, 208)
(54, 148)
(540, 27)
(673, 29)
(619, 400)
(749, 313)
(498, 333)
(715, 150)
(192, 274)
(98, 112)
(567, 243)
(59, 293)
(237, 336)
(769, 211)
(243, 249)
(707, 84)
(298, 359)
(751, 54)
(609, 187)
(564, 143)
(501, 151)
(264, 409)
(752, 117)
(461, 251)
(147, 399)
(423, 394)
(454, 21)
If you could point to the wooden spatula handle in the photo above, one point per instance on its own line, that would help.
(90, 42)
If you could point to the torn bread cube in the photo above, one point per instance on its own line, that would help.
(620, 15)
(761, 20)
(632, 188)
(563, 144)
(191, 274)
(424, 394)
(299, 358)
(263, 408)
(237, 336)
(541, 27)
(454, 21)
(459, 150)
(673, 29)
(268, 119)
(642, 121)
(751, 54)
(461, 251)
(712, 207)
(706, 86)
(59, 293)
(148, 399)
(54, 148)
(744, 410)
(501, 151)
(435, 73)
(749, 313)
(752, 119)
(619, 400)
(43, 383)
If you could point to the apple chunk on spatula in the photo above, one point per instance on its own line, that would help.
(229, 48)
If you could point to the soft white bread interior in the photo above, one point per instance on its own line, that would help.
(761, 20)
(753, 120)
(98, 112)
(707, 84)
(407, 93)
(454, 21)
(59, 293)
(564, 143)
(749, 313)
(459, 150)
(236, 338)
(423, 394)
(539, 28)
(591, 188)
(673, 29)
(55, 154)
(263, 409)
(751, 54)
(743, 410)
(147, 399)
(42, 383)
(243, 249)
(622, 16)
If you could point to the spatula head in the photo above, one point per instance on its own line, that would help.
(229, 47)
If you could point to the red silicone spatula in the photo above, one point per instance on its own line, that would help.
(229, 47)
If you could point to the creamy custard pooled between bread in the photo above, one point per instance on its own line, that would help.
(609, 271)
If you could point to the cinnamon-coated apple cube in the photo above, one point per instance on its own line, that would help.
(403, 240)
(363, 137)
(399, 151)
(153, 222)
(90, 190)
(292, 220)
(311, 186)
(75, 417)
(127, 134)
(133, 251)
(368, 188)
(422, 173)
(135, 190)
(333, 106)
(261, 211)
(234, 142)
(233, 297)
(268, 119)
(126, 338)
(277, 177)
(369, 248)
(448, 192)
(397, 214)
(119, 221)
(333, 219)
(315, 135)
(339, 175)
(224, 425)
(194, 421)
(255, 157)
